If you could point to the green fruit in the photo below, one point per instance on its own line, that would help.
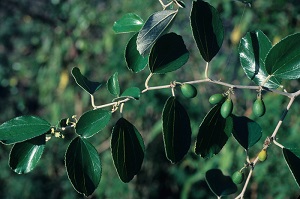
(188, 90)
(259, 107)
(262, 156)
(238, 177)
(216, 98)
(226, 108)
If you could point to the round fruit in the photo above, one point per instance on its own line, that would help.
(259, 107)
(262, 156)
(188, 90)
(226, 108)
(238, 177)
(216, 98)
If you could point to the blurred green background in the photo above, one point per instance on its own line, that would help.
(40, 42)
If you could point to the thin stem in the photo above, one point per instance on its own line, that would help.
(245, 185)
(93, 101)
(206, 70)
(278, 144)
(147, 80)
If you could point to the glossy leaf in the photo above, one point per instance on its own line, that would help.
(246, 131)
(127, 148)
(134, 61)
(283, 60)
(253, 49)
(132, 92)
(130, 22)
(113, 85)
(168, 54)
(92, 122)
(213, 133)
(22, 128)
(292, 158)
(220, 184)
(207, 29)
(24, 156)
(84, 83)
(83, 166)
(154, 27)
(176, 130)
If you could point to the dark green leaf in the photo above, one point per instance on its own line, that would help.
(154, 27)
(253, 49)
(246, 131)
(292, 158)
(283, 60)
(130, 22)
(24, 156)
(220, 184)
(128, 149)
(92, 122)
(135, 62)
(113, 85)
(83, 166)
(213, 134)
(247, 2)
(168, 54)
(207, 29)
(176, 130)
(84, 83)
(22, 128)
(133, 92)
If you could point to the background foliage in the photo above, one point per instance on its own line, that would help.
(40, 42)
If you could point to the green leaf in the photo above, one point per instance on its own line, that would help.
(253, 49)
(176, 130)
(130, 22)
(22, 128)
(113, 85)
(24, 156)
(168, 54)
(84, 83)
(154, 27)
(83, 166)
(220, 184)
(283, 60)
(213, 134)
(247, 2)
(246, 131)
(292, 158)
(127, 147)
(132, 92)
(207, 29)
(135, 62)
(92, 122)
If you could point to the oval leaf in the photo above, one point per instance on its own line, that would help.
(292, 158)
(24, 156)
(213, 134)
(135, 62)
(22, 128)
(220, 184)
(176, 130)
(84, 83)
(168, 54)
(207, 29)
(127, 147)
(83, 166)
(153, 28)
(113, 85)
(246, 131)
(283, 60)
(253, 49)
(132, 92)
(130, 22)
(92, 122)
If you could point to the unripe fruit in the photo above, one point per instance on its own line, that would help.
(226, 108)
(216, 98)
(262, 156)
(188, 90)
(259, 107)
(238, 177)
